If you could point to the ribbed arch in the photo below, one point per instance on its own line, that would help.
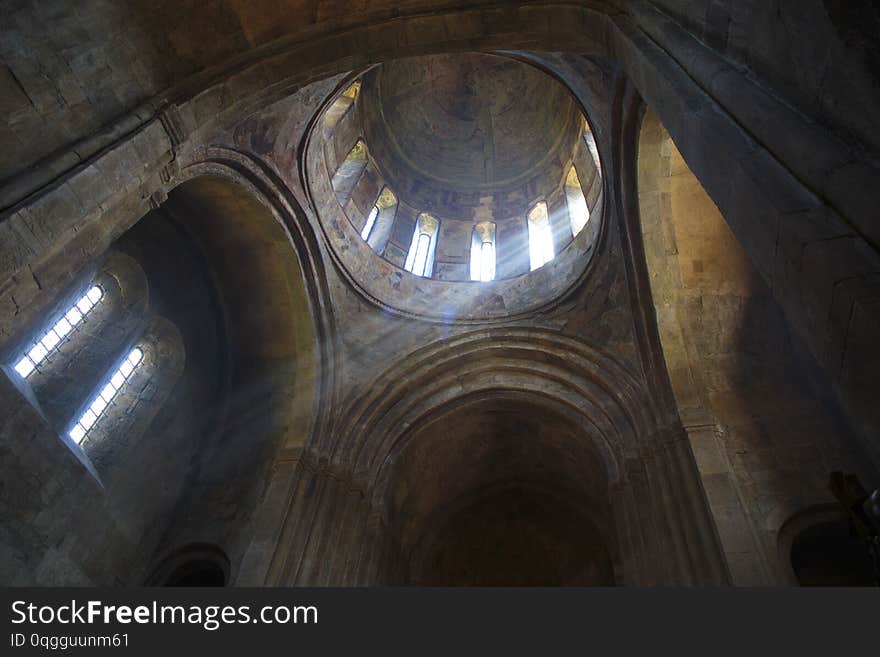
(593, 383)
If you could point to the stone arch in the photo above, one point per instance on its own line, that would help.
(639, 453)
(188, 451)
(816, 548)
(242, 173)
(488, 446)
(677, 75)
(277, 387)
(195, 564)
(728, 136)
(540, 360)
(806, 186)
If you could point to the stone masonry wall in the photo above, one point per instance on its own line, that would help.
(764, 435)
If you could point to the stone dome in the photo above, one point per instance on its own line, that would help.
(467, 122)
(463, 168)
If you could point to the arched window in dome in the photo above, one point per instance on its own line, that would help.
(590, 141)
(349, 172)
(52, 340)
(578, 212)
(420, 258)
(540, 236)
(377, 227)
(339, 107)
(483, 252)
(104, 399)
(369, 223)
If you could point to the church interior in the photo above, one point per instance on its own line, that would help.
(439, 293)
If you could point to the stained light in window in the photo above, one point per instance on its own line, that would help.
(105, 397)
(578, 212)
(53, 337)
(420, 259)
(540, 236)
(483, 252)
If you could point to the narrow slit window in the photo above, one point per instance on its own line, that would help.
(371, 221)
(53, 338)
(377, 227)
(590, 141)
(578, 212)
(483, 252)
(339, 107)
(105, 397)
(540, 236)
(420, 259)
(349, 172)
